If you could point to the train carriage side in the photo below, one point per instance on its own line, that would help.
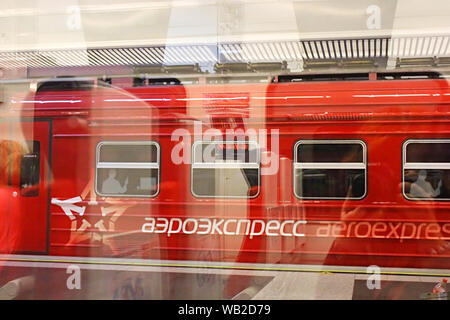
(359, 149)
(337, 184)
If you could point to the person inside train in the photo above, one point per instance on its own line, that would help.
(112, 185)
(421, 188)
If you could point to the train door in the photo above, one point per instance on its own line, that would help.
(25, 218)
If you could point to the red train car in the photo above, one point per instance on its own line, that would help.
(350, 170)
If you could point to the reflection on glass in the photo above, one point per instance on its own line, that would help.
(329, 152)
(128, 153)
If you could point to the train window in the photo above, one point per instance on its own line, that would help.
(127, 168)
(225, 169)
(330, 169)
(30, 170)
(426, 169)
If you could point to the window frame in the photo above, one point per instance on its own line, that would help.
(422, 165)
(128, 165)
(207, 165)
(330, 165)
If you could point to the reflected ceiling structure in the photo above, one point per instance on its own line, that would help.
(300, 35)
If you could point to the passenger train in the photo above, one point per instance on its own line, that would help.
(343, 169)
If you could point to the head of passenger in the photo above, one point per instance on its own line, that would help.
(422, 175)
(112, 173)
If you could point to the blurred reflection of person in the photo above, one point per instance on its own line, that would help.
(417, 251)
(421, 188)
(112, 185)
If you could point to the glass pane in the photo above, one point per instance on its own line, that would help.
(225, 182)
(128, 153)
(428, 152)
(127, 182)
(329, 183)
(329, 152)
(427, 184)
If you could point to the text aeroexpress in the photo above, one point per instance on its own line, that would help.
(297, 228)
(251, 228)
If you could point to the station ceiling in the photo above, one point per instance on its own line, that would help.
(46, 34)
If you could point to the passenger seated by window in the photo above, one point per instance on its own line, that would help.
(445, 190)
(111, 185)
(421, 188)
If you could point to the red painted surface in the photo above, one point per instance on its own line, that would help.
(383, 114)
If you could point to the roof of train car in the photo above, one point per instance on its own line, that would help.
(413, 97)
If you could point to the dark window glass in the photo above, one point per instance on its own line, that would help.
(329, 152)
(329, 170)
(330, 183)
(428, 152)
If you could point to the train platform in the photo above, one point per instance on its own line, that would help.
(67, 278)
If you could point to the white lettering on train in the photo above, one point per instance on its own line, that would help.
(253, 228)
(293, 228)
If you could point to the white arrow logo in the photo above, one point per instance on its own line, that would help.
(69, 205)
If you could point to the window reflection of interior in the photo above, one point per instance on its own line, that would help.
(128, 169)
(225, 169)
(426, 169)
(330, 169)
